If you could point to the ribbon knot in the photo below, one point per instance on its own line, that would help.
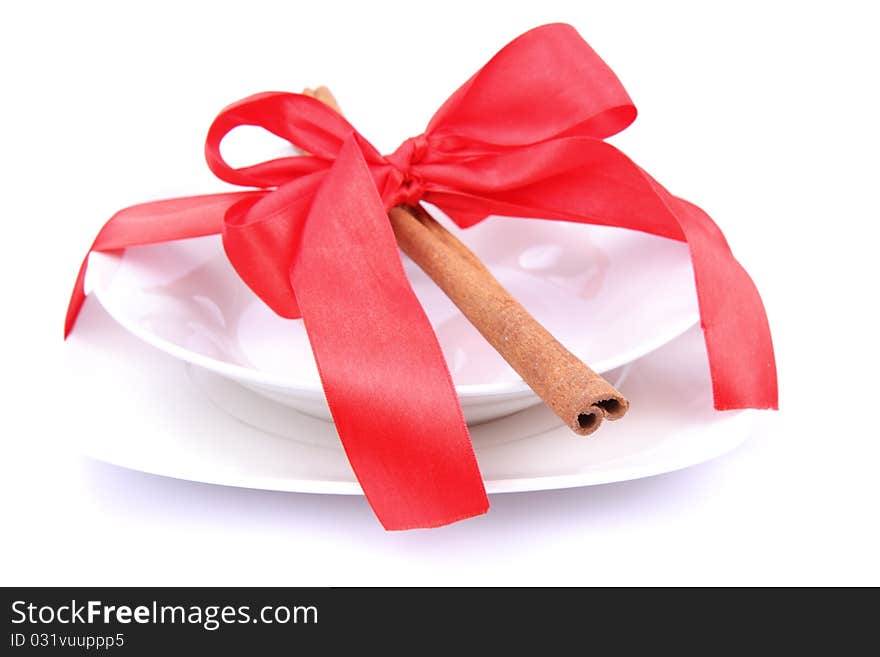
(407, 185)
(523, 137)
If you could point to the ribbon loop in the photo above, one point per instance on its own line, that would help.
(546, 83)
(306, 123)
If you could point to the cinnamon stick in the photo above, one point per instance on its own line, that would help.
(578, 395)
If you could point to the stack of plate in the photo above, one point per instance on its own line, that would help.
(255, 415)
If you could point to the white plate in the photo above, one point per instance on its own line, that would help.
(145, 413)
(609, 295)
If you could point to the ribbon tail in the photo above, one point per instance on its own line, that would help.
(732, 314)
(587, 180)
(384, 375)
(150, 223)
(77, 298)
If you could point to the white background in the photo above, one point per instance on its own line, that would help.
(763, 113)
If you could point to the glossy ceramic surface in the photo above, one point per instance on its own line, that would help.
(609, 295)
(208, 429)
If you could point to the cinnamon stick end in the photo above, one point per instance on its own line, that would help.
(614, 407)
(587, 422)
(590, 418)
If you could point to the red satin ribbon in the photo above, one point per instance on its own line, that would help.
(523, 138)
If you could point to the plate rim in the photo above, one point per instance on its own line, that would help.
(697, 444)
(101, 262)
(498, 486)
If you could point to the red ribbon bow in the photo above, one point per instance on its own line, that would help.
(522, 137)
